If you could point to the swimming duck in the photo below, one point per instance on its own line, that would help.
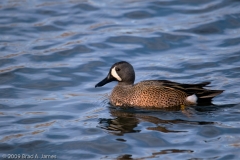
(153, 93)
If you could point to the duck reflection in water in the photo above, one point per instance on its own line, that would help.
(127, 119)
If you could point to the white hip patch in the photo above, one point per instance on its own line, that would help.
(115, 75)
(193, 98)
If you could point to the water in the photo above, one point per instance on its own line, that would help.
(52, 53)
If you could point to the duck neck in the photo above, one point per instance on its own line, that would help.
(125, 83)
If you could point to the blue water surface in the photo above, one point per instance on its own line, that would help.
(52, 53)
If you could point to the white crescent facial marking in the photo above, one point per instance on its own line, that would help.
(115, 75)
(193, 98)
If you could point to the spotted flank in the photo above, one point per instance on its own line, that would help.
(153, 93)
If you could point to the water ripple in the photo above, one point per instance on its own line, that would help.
(53, 54)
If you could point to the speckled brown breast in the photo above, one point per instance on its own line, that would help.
(147, 95)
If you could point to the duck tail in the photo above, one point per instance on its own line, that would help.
(206, 96)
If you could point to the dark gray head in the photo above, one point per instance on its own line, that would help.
(122, 72)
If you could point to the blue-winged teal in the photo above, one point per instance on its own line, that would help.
(153, 93)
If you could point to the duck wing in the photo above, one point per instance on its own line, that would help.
(204, 95)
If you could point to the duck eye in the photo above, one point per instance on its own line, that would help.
(117, 69)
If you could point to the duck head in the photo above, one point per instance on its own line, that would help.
(122, 72)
